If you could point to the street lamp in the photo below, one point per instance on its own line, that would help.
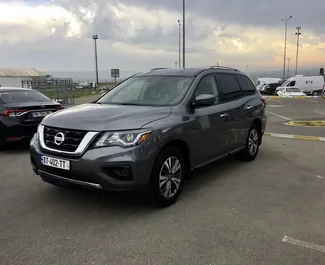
(285, 45)
(288, 71)
(184, 34)
(298, 33)
(179, 43)
(95, 38)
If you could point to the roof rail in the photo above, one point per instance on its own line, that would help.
(156, 69)
(223, 67)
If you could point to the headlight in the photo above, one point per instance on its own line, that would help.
(123, 138)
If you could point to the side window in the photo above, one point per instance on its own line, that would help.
(229, 86)
(292, 83)
(246, 84)
(207, 85)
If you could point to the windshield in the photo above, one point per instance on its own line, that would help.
(293, 90)
(149, 90)
(285, 83)
(22, 96)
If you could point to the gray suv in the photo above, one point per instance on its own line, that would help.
(151, 130)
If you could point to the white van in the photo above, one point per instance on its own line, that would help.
(261, 82)
(308, 84)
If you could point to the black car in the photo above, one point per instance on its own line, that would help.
(270, 88)
(21, 110)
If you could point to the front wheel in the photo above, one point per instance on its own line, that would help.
(167, 177)
(252, 144)
(324, 93)
(315, 93)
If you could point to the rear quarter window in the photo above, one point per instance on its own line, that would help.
(246, 84)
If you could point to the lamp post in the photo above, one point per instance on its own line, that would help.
(288, 70)
(184, 34)
(298, 33)
(179, 43)
(95, 38)
(176, 64)
(285, 46)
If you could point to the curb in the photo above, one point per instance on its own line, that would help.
(294, 97)
(297, 137)
(315, 123)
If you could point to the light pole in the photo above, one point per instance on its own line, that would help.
(298, 33)
(179, 43)
(95, 38)
(176, 64)
(285, 46)
(184, 34)
(288, 70)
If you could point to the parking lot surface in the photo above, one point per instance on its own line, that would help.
(229, 213)
(282, 110)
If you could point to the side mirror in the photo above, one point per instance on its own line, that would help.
(204, 100)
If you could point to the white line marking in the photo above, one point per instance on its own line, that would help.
(282, 117)
(276, 106)
(320, 177)
(305, 244)
(312, 100)
(319, 112)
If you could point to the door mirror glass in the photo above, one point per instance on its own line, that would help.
(204, 100)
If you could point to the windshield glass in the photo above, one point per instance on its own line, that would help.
(293, 90)
(149, 90)
(22, 96)
(286, 83)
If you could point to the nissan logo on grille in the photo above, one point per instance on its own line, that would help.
(59, 138)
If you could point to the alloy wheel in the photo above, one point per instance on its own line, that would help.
(253, 142)
(170, 177)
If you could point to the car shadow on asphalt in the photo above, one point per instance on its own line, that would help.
(125, 203)
(14, 147)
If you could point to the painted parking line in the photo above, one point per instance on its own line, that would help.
(319, 112)
(297, 137)
(304, 244)
(280, 116)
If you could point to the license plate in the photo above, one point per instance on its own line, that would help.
(55, 162)
(41, 114)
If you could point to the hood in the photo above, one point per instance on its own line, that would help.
(105, 117)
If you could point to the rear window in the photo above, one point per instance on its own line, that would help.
(22, 96)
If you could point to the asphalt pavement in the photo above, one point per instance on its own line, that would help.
(281, 110)
(270, 211)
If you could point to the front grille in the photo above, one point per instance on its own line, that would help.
(72, 139)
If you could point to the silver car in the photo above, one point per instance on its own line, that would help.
(151, 130)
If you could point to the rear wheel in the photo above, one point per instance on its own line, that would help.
(167, 177)
(252, 144)
(315, 93)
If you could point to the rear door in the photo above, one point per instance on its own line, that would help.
(236, 103)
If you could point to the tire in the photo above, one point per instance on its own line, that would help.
(324, 93)
(315, 93)
(253, 138)
(158, 195)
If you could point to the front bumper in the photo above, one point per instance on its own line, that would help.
(98, 168)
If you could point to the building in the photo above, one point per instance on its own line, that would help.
(15, 77)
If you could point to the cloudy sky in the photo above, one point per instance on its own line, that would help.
(141, 34)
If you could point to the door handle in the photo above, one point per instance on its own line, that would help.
(249, 107)
(223, 115)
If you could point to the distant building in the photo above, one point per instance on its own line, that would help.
(16, 77)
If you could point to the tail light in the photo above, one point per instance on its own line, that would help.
(264, 101)
(13, 113)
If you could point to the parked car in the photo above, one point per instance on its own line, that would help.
(151, 130)
(21, 110)
(290, 92)
(310, 85)
(262, 81)
(270, 88)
